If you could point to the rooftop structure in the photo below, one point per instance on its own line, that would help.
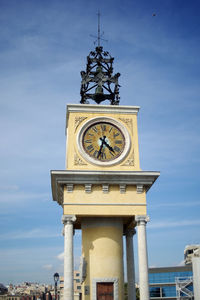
(190, 252)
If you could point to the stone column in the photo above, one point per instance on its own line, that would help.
(130, 264)
(143, 257)
(68, 221)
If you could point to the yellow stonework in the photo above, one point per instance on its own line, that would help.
(98, 203)
(74, 159)
(102, 249)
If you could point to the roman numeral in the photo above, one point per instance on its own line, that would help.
(90, 148)
(115, 134)
(103, 127)
(88, 141)
(118, 142)
(94, 129)
(111, 153)
(95, 154)
(103, 155)
(117, 149)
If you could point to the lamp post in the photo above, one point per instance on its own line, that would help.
(56, 278)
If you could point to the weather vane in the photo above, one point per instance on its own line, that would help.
(98, 79)
(99, 35)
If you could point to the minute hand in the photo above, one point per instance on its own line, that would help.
(107, 145)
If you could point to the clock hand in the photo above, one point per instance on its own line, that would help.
(102, 142)
(106, 144)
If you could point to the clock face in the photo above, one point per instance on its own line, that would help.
(103, 141)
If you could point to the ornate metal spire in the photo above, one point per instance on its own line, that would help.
(98, 82)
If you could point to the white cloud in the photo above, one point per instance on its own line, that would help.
(20, 196)
(9, 188)
(60, 256)
(47, 267)
(175, 204)
(36, 233)
(171, 224)
(182, 263)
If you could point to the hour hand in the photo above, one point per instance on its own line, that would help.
(99, 152)
(102, 143)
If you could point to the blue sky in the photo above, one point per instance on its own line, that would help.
(43, 48)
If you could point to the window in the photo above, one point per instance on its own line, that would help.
(155, 291)
(169, 291)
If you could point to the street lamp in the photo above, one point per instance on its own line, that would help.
(56, 278)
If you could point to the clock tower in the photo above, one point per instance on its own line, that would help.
(103, 190)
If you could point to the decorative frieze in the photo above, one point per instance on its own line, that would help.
(78, 161)
(105, 188)
(130, 160)
(122, 188)
(128, 122)
(142, 179)
(78, 121)
(70, 187)
(88, 188)
(140, 188)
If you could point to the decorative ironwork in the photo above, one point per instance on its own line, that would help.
(98, 82)
(99, 78)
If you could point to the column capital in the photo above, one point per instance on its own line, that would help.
(68, 219)
(142, 219)
(130, 232)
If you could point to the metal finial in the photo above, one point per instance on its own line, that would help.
(98, 38)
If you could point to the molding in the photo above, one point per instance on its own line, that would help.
(140, 188)
(130, 160)
(142, 219)
(61, 178)
(105, 204)
(112, 279)
(102, 109)
(122, 188)
(105, 188)
(78, 121)
(68, 219)
(94, 161)
(88, 188)
(78, 161)
(128, 122)
(70, 187)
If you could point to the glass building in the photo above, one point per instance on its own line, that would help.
(171, 283)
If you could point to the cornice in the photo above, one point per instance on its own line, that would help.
(61, 178)
(103, 109)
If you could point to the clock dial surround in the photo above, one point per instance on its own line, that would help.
(103, 141)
